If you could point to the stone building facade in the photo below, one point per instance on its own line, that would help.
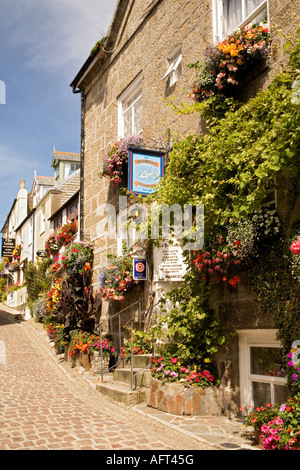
(142, 67)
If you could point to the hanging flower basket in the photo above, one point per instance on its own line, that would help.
(16, 254)
(60, 237)
(116, 279)
(118, 158)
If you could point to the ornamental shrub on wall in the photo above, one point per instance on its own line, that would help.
(233, 170)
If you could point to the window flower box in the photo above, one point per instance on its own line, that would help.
(226, 66)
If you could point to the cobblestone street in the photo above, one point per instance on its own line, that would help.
(43, 407)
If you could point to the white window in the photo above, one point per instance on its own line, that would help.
(261, 370)
(131, 110)
(174, 71)
(229, 15)
(42, 220)
(70, 168)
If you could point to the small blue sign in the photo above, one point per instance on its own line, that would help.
(145, 170)
(139, 269)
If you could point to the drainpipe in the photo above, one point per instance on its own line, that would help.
(33, 236)
(75, 91)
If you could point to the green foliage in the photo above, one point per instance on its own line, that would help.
(3, 281)
(37, 280)
(140, 343)
(2, 286)
(97, 47)
(189, 330)
(277, 291)
(232, 169)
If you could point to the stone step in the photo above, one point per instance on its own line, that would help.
(122, 393)
(142, 378)
(139, 361)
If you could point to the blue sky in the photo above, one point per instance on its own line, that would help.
(43, 44)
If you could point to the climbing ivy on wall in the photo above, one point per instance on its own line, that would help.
(232, 170)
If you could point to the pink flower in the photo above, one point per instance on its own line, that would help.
(295, 247)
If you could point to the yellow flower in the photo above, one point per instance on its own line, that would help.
(207, 359)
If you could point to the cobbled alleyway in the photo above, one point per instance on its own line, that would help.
(42, 407)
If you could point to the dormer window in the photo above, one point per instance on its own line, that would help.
(69, 168)
(174, 71)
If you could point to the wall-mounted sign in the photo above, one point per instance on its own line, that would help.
(145, 169)
(139, 269)
(41, 254)
(8, 246)
(169, 263)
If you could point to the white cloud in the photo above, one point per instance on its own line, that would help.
(57, 34)
(7, 156)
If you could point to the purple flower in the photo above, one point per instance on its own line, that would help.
(295, 377)
(291, 364)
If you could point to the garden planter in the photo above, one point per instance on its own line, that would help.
(84, 360)
(95, 360)
(178, 399)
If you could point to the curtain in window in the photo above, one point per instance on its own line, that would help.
(138, 111)
(232, 11)
(237, 11)
(251, 5)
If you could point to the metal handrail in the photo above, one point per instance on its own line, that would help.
(130, 322)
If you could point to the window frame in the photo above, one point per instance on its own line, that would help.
(58, 221)
(42, 219)
(69, 208)
(131, 90)
(255, 338)
(218, 19)
(174, 71)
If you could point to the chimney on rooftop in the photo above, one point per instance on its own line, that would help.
(22, 184)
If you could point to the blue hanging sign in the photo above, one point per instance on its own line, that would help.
(139, 269)
(145, 169)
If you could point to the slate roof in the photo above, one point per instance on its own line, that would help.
(65, 191)
(66, 156)
(44, 180)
